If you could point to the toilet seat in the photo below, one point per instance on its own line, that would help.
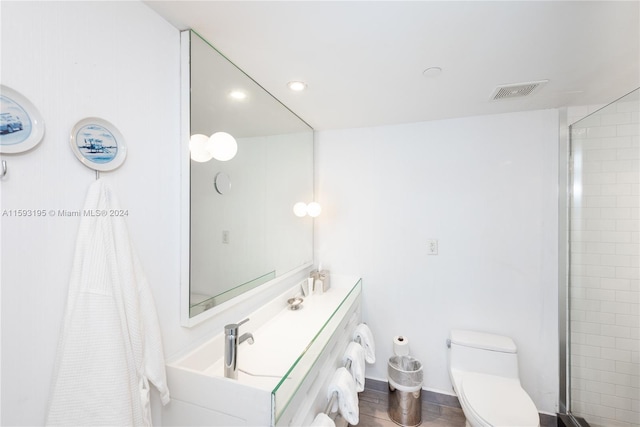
(498, 401)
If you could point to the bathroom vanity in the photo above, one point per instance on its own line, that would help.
(282, 377)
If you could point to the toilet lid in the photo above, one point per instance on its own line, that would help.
(499, 401)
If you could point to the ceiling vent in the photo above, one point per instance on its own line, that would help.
(516, 90)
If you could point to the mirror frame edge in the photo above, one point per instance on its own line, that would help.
(185, 172)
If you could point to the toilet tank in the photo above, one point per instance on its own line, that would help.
(482, 352)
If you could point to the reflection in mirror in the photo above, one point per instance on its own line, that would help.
(242, 229)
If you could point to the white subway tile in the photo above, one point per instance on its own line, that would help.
(601, 247)
(627, 225)
(615, 260)
(616, 236)
(600, 201)
(585, 304)
(627, 344)
(632, 273)
(628, 153)
(615, 284)
(595, 155)
(587, 236)
(602, 131)
(631, 177)
(616, 307)
(615, 331)
(599, 340)
(616, 189)
(587, 327)
(600, 318)
(615, 213)
(631, 417)
(600, 178)
(600, 387)
(623, 106)
(579, 283)
(600, 271)
(601, 224)
(599, 363)
(627, 368)
(619, 166)
(627, 320)
(585, 350)
(627, 296)
(584, 396)
(617, 142)
(626, 201)
(629, 392)
(615, 354)
(625, 130)
(615, 401)
(615, 118)
(587, 258)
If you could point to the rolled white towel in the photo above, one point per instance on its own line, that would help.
(355, 354)
(363, 333)
(346, 403)
(323, 420)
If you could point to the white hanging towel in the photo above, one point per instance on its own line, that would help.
(363, 333)
(110, 346)
(343, 384)
(355, 354)
(323, 420)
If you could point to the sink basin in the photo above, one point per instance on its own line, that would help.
(287, 344)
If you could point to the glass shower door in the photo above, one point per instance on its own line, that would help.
(604, 291)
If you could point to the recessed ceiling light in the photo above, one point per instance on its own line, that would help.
(238, 94)
(432, 72)
(297, 86)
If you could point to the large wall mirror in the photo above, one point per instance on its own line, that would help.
(239, 229)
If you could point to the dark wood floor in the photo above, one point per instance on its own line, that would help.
(374, 406)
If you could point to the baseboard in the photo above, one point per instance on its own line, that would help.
(443, 399)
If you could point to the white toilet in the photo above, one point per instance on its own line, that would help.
(484, 373)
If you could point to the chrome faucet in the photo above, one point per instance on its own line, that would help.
(231, 342)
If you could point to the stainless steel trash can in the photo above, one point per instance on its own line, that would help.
(405, 387)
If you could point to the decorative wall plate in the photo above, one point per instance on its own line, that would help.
(98, 144)
(21, 126)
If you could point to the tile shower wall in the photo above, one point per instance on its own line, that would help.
(604, 292)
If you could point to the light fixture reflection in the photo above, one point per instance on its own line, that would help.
(314, 209)
(198, 146)
(238, 95)
(220, 146)
(301, 209)
(297, 86)
(223, 146)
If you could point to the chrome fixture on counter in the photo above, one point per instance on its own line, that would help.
(231, 342)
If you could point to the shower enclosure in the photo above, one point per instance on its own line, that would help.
(603, 297)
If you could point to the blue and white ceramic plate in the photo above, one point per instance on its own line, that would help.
(21, 126)
(98, 144)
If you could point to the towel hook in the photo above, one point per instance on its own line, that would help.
(4, 169)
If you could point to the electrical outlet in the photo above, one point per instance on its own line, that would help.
(432, 247)
(225, 237)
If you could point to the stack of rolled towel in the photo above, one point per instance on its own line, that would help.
(348, 380)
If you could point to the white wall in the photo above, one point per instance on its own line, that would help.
(119, 61)
(114, 60)
(486, 188)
